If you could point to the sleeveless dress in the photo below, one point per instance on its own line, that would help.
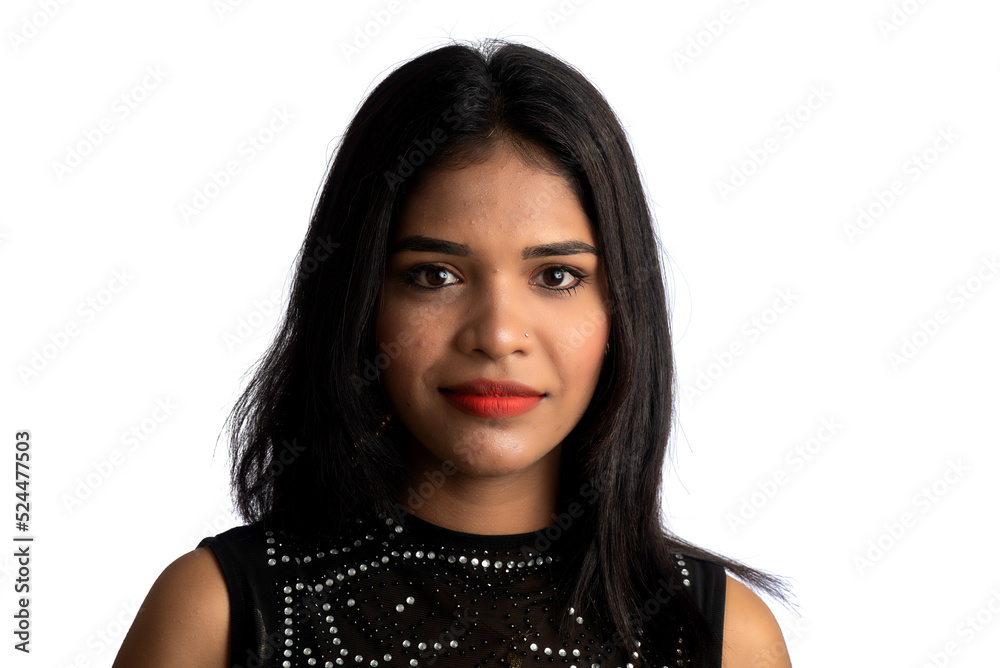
(385, 594)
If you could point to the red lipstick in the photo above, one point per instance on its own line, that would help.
(483, 397)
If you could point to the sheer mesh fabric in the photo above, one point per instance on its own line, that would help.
(416, 594)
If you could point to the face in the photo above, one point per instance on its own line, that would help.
(493, 275)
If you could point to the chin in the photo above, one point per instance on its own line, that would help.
(492, 467)
(491, 455)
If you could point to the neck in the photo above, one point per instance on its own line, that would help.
(519, 502)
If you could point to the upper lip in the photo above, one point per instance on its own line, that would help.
(493, 388)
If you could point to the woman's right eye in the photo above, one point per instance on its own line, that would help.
(436, 277)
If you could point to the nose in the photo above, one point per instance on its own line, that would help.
(496, 324)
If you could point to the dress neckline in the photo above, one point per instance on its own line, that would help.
(542, 540)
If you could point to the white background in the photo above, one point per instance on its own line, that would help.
(893, 76)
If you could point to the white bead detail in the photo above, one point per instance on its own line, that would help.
(364, 593)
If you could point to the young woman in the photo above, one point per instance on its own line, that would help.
(452, 453)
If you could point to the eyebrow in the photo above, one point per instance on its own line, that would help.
(422, 244)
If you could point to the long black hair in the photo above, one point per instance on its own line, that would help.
(309, 443)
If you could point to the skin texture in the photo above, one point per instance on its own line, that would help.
(495, 475)
(467, 473)
(751, 637)
(184, 620)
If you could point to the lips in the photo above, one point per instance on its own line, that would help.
(485, 387)
(483, 397)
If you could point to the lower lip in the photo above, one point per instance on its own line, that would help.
(491, 407)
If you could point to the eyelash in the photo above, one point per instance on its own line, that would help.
(408, 279)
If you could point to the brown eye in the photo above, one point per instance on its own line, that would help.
(562, 279)
(437, 277)
(434, 277)
(558, 275)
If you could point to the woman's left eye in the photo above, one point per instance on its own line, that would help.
(560, 274)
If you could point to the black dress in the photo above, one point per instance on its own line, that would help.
(416, 594)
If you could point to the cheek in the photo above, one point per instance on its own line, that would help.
(583, 343)
(587, 362)
(587, 345)
(405, 345)
(407, 324)
(391, 343)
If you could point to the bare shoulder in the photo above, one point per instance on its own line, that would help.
(751, 637)
(184, 620)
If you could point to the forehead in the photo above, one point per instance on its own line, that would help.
(502, 197)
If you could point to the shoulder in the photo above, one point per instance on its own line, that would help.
(184, 620)
(751, 636)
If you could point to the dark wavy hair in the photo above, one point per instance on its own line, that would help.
(307, 450)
